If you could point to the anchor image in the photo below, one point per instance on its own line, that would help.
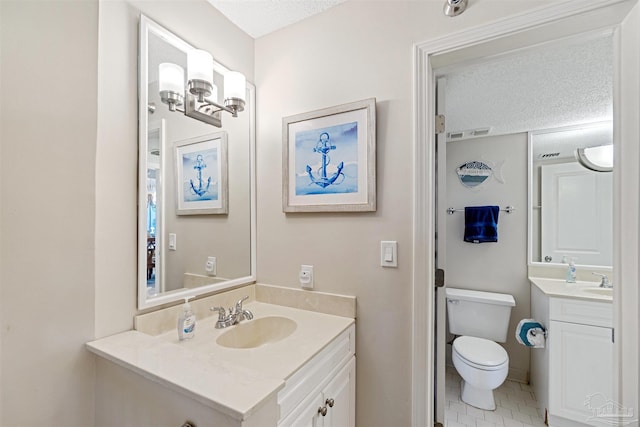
(200, 164)
(323, 147)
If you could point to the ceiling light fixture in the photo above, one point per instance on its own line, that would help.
(200, 97)
(454, 7)
(599, 158)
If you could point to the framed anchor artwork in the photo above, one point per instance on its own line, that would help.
(329, 159)
(201, 184)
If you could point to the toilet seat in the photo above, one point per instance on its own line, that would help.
(481, 353)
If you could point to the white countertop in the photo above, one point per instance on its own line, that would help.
(562, 289)
(233, 381)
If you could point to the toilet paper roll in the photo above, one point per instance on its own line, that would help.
(531, 333)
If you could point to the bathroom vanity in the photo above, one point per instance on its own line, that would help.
(261, 372)
(572, 377)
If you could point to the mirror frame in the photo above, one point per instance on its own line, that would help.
(146, 26)
(530, 206)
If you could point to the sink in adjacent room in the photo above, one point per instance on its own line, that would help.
(258, 332)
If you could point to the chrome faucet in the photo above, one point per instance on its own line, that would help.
(604, 283)
(232, 318)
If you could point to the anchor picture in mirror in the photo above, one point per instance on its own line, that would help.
(202, 175)
(329, 159)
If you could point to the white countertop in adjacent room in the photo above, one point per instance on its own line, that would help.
(579, 290)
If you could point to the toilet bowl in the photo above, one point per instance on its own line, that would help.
(483, 366)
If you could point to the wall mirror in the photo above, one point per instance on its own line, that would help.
(205, 250)
(571, 206)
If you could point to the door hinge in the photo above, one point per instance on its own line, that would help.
(439, 278)
(440, 121)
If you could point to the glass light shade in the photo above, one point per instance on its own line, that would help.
(171, 78)
(199, 65)
(598, 158)
(235, 85)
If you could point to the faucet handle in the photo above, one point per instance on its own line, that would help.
(221, 312)
(604, 283)
(239, 304)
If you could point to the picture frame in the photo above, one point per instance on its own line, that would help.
(202, 185)
(329, 159)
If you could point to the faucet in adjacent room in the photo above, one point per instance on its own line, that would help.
(232, 317)
(604, 283)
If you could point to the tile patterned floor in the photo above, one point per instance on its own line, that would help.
(516, 406)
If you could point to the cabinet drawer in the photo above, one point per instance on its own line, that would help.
(312, 375)
(579, 311)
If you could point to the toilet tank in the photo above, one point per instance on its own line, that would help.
(479, 314)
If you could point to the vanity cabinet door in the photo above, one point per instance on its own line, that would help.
(580, 370)
(336, 399)
(339, 397)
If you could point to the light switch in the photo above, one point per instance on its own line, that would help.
(172, 241)
(389, 253)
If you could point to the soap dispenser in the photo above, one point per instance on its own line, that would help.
(186, 321)
(571, 271)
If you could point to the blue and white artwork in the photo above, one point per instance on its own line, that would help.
(199, 169)
(326, 160)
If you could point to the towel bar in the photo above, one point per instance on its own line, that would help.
(508, 209)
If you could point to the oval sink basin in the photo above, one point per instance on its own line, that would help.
(257, 332)
(600, 291)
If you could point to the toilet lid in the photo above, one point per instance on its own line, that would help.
(480, 351)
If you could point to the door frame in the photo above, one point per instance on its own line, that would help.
(545, 24)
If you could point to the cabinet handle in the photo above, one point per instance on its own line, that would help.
(322, 411)
(330, 402)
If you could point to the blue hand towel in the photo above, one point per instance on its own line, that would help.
(481, 224)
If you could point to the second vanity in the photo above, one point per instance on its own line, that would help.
(572, 377)
(282, 376)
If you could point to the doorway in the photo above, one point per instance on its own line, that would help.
(492, 105)
(551, 23)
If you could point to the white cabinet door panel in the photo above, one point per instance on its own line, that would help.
(580, 370)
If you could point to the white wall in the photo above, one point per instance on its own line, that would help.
(48, 130)
(500, 266)
(354, 51)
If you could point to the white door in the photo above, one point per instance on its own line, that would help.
(577, 214)
(440, 261)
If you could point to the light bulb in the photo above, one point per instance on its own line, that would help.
(200, 65)
(235, 85)
(171, 78)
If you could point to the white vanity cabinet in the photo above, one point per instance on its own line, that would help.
(580, 357)
(573, 375)
(322, 393)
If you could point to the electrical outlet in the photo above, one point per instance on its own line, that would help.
(306, 276)
(211, 266)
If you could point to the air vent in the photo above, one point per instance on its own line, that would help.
(480, 132)
(548, 155)
(455, 135)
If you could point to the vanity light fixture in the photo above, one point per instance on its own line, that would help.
(200, 97)
(599, 158)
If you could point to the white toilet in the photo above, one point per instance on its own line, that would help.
(480, 319)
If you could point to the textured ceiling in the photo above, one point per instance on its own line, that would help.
(260, 17)
(554, 85)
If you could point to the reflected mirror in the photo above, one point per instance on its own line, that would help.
(183, 250)
(571, 213)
